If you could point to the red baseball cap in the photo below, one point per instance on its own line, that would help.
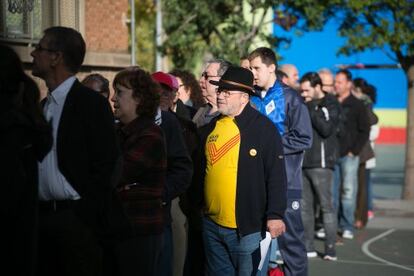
(167, 79)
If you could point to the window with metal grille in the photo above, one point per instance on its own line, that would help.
(25, 20)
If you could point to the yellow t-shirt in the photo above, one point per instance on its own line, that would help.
(222, 154)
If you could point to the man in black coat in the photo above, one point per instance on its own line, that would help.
(75, 176)
(319, 162)
(243, 179)
(354, 136)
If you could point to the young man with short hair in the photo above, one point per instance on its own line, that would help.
(284, 107)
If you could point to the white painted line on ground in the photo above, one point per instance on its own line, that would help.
(365, 249)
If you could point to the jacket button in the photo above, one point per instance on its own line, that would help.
(253, 152)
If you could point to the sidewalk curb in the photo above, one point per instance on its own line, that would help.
(397, 214)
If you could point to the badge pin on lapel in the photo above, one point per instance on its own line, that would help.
(253, 152)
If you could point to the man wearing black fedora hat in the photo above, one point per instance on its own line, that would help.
(244, 184)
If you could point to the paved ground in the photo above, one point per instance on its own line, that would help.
(386, 246)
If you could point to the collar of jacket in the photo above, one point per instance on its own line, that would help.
(136, 126)
(243, 118)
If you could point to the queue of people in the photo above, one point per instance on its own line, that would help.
(181, 176)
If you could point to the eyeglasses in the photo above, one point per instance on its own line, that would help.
(205, 75)
(226, 93)
(39, 47)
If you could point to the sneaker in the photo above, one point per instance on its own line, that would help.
(330, 258)
(347, 234)
(320, 233)
(312, 254)
(370, 215)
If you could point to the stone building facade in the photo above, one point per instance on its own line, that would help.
(102, 23)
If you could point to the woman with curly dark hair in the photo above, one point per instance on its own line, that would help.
(189, 91)
(141, 183)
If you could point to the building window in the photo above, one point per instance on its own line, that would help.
(22, 21)
(19, 23)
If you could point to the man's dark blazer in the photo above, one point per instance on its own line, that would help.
(87, 151)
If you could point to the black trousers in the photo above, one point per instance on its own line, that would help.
(67, 246)
(140, 255)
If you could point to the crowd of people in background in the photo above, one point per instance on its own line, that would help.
(170, 174)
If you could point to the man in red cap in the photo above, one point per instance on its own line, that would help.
(179, 175)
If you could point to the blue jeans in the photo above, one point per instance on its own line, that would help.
(227, 253)
(370, 206)
(349, 178)
(166, 257)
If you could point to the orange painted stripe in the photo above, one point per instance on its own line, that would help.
(235, 138)
(215, 154)
(222, 151)
(223, 147)
(392, 135)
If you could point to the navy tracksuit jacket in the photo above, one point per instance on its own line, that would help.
(286, 109)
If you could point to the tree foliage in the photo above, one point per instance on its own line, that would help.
(196, 27)
(369, 24)
(145, 34)
(228, 28)
(220, 28)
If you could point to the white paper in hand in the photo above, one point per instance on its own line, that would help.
(264, 247)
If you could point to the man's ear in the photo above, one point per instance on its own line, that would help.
(318, 87)
(246, 98)
(57, 59)
(272, 68)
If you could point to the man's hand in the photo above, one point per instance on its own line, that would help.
(276, 227)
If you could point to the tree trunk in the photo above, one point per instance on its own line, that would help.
(408, 191)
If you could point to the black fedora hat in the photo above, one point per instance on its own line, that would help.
(236, 78)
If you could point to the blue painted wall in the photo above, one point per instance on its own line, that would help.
(315, 50)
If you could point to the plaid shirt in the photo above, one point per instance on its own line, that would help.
(142, 180)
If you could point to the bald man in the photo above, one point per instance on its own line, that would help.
(292, 75)
(327, 80)
(244, 62)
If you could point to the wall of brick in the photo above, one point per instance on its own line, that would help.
(106, 36)
(105, 28)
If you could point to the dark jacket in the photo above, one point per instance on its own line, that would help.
(287, 111)
(22, 144)
(180, 167)
(325, 115)
(87, 151)
(144, 172)
(184, 111)
(261, 177)
(179, 163)
(356, 126)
